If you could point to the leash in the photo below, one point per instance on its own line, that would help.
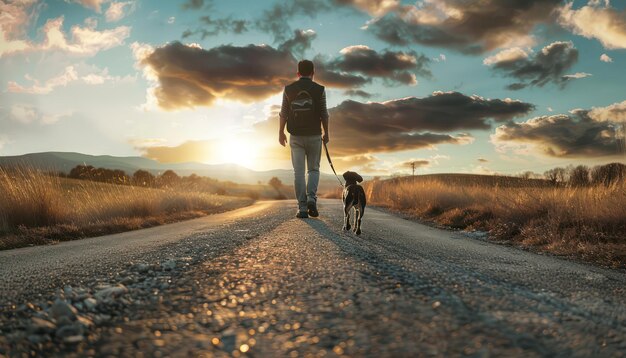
(331, 163)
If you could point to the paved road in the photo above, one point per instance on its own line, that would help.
(258, 282)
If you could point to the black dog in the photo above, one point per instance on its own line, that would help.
(353, 197)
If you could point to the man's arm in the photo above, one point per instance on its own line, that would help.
(324, 116)
(282, 138)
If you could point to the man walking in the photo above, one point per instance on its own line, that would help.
(304, 113)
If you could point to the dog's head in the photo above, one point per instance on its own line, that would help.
(352, 177)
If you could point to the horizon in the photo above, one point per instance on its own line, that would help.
(406, 82)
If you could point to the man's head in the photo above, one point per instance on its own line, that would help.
(306, 68)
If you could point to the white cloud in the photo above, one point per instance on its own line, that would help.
(171, 20)
(605, 24)
(613, 113)
(578, 75)
(95, 5)
(510, 54)
(70, 75)
(85, 40)
(27, 114)
(14, 17)
(118, 10)
(605, 58)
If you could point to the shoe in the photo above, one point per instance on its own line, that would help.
(312, 209)
(302, 215)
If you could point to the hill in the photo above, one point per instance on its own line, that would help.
(65, 161)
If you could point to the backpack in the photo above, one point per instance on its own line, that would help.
(302, 109)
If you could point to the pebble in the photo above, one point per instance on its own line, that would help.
(90, 303)
(39, 325)
(111, 292)
(62, 308)
(168, 265)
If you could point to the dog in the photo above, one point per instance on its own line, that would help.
(353, 197)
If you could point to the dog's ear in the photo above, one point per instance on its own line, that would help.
(350, 176)
(358, 177)
(347, 175)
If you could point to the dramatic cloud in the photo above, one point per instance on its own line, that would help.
(300, 42)
(334, 78)
(615, 113)
(14, 18)
(190, 76)
(466, 26)
(547, 66)
(400, 67)
(275, 20)
(596, 20)
(605, 58)
(118, 10)
(574, 135)
(212, 27)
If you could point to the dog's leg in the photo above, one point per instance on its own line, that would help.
(358, 219)
(346, 217)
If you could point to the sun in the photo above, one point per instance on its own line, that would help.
(236, 151)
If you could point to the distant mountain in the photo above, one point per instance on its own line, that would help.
(64, 161)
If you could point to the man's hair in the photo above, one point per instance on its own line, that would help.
(306, 68)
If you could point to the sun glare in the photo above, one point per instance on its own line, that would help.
(236, 151)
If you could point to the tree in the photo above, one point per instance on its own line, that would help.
(579, 176)
(277, 185)
(143, 178)
(555, 175)
(608, 174)
(169, 178)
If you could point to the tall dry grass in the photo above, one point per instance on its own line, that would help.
(38, 208)
(584, 222)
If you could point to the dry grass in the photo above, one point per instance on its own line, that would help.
(37, 208)
(588, 223)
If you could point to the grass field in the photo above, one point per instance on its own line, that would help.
(38, 209)
(587, 223)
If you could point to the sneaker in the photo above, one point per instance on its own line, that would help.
(312, 209)
(302, 215)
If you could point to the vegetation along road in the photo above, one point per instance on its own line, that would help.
(258, 282)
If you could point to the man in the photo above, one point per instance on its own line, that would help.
(304, 113)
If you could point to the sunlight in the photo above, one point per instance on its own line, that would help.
(236, 151)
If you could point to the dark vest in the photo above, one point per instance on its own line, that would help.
(316, 91)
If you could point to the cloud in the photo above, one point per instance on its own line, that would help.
(95, 5)
(190, 76)
(212, 27)
(335, 78)
(357, 93)
(605, 58)
(14, 19)
(193, 151)
(483, 160)
(546, 66)
(413, 163)
(275, 20)
(394, 67)
(574, 135)
(27, 114)
(193, 4)
(85, 41)
(372, 7)
(578, 75)
(360, 130)
(299, 43)
(606, 24)
(117, 10)
(464, 26)
(615, 113)
(69, 75)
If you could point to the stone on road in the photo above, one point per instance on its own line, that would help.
(258, 282)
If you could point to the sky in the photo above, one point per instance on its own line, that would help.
(488, 87)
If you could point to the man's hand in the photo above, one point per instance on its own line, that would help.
(282, 138)
(325, 138)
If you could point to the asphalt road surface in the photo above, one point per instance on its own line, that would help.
(259, 282)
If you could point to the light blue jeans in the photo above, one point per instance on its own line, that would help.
(306, 149)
